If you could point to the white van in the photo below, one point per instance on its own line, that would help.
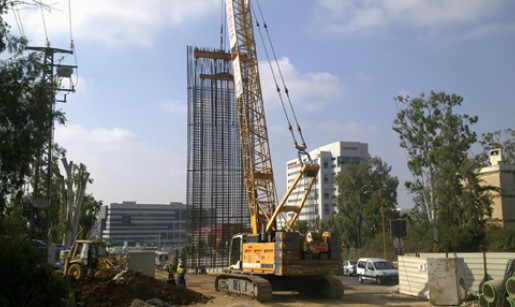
(377, 269)
(161, 258)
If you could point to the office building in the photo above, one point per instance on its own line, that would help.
(155, 225)
(501, 175)
(332, 157)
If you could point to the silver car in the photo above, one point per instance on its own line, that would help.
(349, 267)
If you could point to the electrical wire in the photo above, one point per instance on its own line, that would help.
(44, 22)
(17, 18)
(70, 23)
(72, 47)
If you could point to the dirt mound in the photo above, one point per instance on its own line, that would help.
(99, 292)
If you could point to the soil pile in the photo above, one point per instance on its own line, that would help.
(128, 286)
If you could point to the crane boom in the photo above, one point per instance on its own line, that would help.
(255, 147)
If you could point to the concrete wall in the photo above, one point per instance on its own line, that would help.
(143, 262)
(414, 276)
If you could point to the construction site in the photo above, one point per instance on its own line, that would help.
(236, 242)
(235, 227)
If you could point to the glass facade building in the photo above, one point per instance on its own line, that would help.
(154, 225)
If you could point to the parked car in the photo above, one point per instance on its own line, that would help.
(377, 269)
(349, 267)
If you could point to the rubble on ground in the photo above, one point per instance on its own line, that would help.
(130, 286)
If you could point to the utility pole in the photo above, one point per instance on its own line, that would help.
(384, 230)
(49, 78)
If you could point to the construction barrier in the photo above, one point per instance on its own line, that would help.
(492, 290)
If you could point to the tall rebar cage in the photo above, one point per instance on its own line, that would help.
(216, 200)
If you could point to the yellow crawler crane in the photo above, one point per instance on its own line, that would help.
(269, 259)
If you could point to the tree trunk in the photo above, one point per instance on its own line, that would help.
(73, 195)
(81, 188)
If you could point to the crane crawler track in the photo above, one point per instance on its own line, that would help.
(336, 287)
(245, 285)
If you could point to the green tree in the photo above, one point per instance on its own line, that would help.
(300, 226)
(446, 184)
(26, 280)
(23, 124)
(364, 190)
(500, 239)
(25, 115)
(88, 213)
(500, 139)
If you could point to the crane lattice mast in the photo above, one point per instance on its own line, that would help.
(257, 162)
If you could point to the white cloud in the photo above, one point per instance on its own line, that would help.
(113, 23)
(484, 30)
(359, 16)
(350, 128)
(123, 167)
(312, 91)
(76, 133)
(81, 84)
(175, 107)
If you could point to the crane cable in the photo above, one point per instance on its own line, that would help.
(302, 148)
(276, 84)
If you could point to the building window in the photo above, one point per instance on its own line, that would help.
(126, 219)
(345, 160)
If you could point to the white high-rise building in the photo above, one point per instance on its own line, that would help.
(331, 158)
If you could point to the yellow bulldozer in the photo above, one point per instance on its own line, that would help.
(88, 258)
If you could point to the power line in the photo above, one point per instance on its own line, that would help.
(70, 23)
(17, 18)
(72, 46)
(44, 22)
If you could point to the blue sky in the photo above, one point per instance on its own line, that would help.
(343, 61)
